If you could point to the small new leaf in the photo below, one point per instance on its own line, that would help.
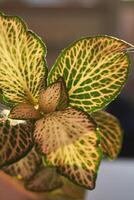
(54, 97)
(24, 111)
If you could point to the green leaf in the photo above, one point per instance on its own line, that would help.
(15, 140)
(24, 111)
(110, 132)
(25, 168)
(94, 70)
(22, 61)
(54, 97)
(71, 143)
(46, 179)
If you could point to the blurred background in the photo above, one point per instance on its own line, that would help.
(60, 22)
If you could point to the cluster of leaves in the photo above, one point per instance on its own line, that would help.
(57, 116)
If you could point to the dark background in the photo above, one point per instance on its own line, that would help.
(59, 22)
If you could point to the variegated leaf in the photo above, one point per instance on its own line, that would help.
(70, 140)
(22, 64)
(54, 97)
(15, 140)
(94, 70)
(25, 168)
(111, 133)
(24, 111)
(46, 179)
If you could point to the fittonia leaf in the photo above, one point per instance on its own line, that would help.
(94, 70)
(71, 144)
(25, 168)
(15, 140)
(22, 61)
(85, 78)
(110, 132)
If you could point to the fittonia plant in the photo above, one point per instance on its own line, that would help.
(58, 116)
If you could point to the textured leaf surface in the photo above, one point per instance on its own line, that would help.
(70, 140)
(94, 70)
(25, 168)
(54, 97)
(24, 111)
(111, 133)
(22, 64)
(15, 140)
(46, 179)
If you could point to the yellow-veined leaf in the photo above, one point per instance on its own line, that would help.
(94, 70)
(22, 61)
(24, 111)
(25, 168)
(54, 97)
(111, 133)
(46, 179)
(71, 143)
(15, 140)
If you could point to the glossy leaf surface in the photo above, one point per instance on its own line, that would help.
(94, 70)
